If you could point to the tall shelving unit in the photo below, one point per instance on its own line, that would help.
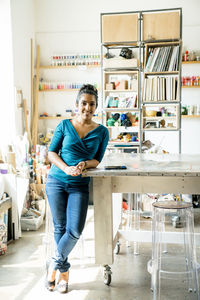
(128, 38)
(140, 30)
(149, 29)
(164, 75)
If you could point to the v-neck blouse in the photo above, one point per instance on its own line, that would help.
(72, 149)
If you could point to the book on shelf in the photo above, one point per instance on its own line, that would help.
(155, 56)
(149, 59)
(160, 88)
(161, 59)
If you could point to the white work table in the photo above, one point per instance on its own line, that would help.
(145, 173)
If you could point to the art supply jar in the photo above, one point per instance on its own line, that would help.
(192, 56)
(186, 56)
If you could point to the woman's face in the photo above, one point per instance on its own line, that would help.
(87, 106)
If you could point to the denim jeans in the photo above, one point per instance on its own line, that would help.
(68, 204)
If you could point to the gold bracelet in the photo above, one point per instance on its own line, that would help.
(85, 164)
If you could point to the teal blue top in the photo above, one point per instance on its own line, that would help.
(72, 149)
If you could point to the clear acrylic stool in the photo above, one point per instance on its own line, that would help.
(168, 266)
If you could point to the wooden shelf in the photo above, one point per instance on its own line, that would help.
(58, 90)
(70, 67)
(121, 72)
(112, 143)
(161, 73)
(39, 68)
(161, 102)
(190, 86)
(120, 44)
(119, 91)
(190, 116)
(54, 118)
(158, 118)
(130, 128)
(161, 43)
(160, 129)
(191, 62)
(121, 109)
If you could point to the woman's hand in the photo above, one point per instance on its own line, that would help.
(73, 171)
(81, 165)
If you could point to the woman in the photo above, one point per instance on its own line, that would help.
(77, 144)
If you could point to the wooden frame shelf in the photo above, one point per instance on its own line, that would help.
(135, 128)
(161, 102)
(58, 90)
(159, 45)
(190, 86)
(158, 118)
(112, 143)
(119, 91)
(70, 67)
(120, 109)
(54, 118)
(170, 122)
(190, 62)
(161, 73)
(36, 80)
(161, 129)
(190, 116)
(121, 72)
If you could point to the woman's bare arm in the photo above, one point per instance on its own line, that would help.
(55, 159)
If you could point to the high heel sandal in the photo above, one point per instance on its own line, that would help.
(62, 286)
(50, 285)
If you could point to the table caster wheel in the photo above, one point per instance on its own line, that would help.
(107, 275)
(117, 248)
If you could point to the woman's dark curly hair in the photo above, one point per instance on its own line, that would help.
(87, 89)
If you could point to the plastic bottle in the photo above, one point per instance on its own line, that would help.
(186, 56)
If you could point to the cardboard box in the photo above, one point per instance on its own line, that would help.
(110, 86)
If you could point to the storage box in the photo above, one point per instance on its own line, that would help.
(31, 223)
(120, 62)
(110, 86)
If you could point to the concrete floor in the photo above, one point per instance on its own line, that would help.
(22, 272)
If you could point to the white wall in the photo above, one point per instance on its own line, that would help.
(76, 25)
(6, 77)
(62, 15)
(62, 25)
(23, 29)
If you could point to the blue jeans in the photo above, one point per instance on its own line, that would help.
(68, 204)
